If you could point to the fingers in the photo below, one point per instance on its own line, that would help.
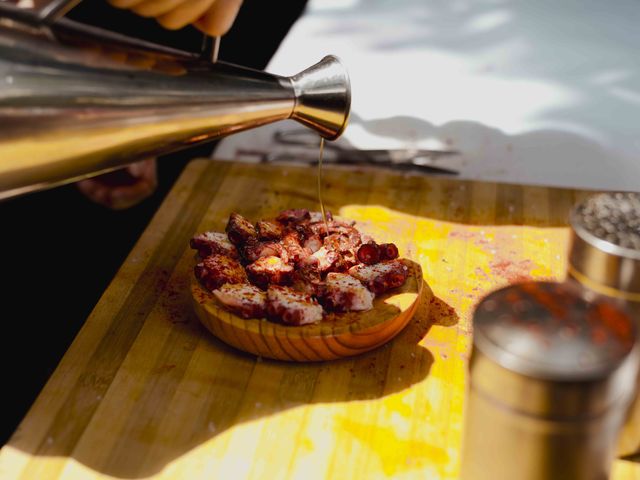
(93, 191)
(125, 3)
(111, 191)
(218, 19)
(126, 197)
(155, 8)
(184, 14)
(213, 17)
(143, 170)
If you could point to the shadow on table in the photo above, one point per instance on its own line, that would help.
(543, 157)
(516, 64)
(148, 441)
(635, 458)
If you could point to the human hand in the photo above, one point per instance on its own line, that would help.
(122, 188)
(213, 17)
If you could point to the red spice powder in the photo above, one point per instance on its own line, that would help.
(549, 300)
(441, 313)
(513, 271)
(604, 319)
(614, 321)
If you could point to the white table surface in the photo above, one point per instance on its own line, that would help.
(534, 92)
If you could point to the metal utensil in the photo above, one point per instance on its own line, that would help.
(353, 158)
(306, 145)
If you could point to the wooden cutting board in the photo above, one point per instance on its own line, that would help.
(146, 391)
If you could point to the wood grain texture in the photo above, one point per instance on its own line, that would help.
(145, 391)
(337, 336)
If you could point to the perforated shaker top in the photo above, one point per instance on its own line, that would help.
(610, 217)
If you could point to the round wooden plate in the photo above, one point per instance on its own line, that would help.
(339, 335)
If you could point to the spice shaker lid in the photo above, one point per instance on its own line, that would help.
(605, 244)
(549, 331)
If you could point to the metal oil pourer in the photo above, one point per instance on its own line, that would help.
(76, 101)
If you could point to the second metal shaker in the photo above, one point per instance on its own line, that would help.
(549, 376)
(604, 259)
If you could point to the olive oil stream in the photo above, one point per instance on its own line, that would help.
(322, 210)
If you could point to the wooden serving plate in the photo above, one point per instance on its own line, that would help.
(339, 335)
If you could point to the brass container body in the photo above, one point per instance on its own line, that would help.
(502, 442)
(605, 268)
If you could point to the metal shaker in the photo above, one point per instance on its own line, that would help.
(604, 259)
(548, 384)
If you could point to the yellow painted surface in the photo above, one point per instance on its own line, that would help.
(146, 392)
